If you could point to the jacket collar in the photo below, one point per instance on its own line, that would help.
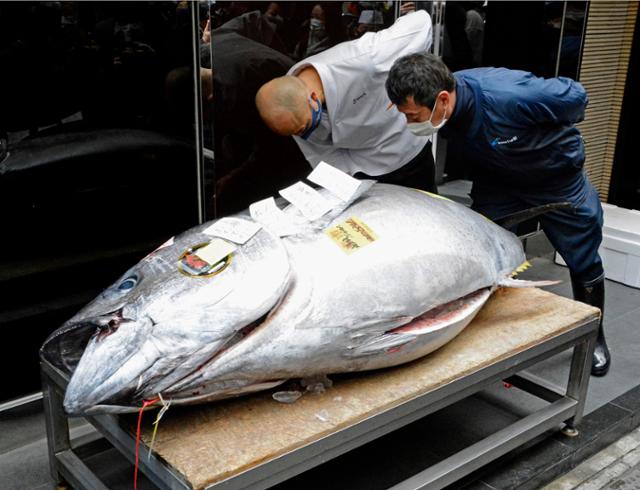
(465, 118)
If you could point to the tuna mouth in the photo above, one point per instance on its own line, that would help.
(64, 347)
(108, 324)
(103, 375)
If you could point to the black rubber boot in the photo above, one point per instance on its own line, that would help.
(594, 295)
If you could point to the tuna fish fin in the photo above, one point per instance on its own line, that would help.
(375, 326)
(521, 268)
(379, 344)
(509, 282)
(459, 311)
(513, 219)
(437, 325)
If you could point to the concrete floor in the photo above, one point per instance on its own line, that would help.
(617, 467)
(24, 464)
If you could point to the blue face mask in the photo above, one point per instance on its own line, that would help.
(316, 116)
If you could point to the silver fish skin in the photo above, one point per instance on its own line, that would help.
(167, 323)
(342, 312)
(290, 307)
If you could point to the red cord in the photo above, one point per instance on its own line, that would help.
(145, 404)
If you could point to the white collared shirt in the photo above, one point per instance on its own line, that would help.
(357, 133)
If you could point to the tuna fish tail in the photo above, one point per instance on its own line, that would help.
(511, 282)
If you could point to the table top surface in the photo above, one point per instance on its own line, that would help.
(208, 443)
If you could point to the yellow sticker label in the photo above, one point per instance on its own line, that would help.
(351, 235)
(431, 194)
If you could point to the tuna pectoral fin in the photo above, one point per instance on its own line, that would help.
(376, 345)
(449, 318)
(508, 282)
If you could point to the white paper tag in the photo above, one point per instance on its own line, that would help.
(269, 215)
(339, 183)
(215, 251)
(233, 229)
(309, 201)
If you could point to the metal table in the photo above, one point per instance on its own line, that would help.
(578, 333)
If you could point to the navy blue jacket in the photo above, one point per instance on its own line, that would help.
(517, 129)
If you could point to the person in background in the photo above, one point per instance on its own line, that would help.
(273, 15)
(518, 133)
(474, 28)
(369, 21)
(335, 106)
(252, 162)
(321, 31)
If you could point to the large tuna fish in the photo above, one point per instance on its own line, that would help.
(382, 281)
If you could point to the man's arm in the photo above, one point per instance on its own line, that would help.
(338, 157)
(411, 33)
(381, 157)
(553, 101)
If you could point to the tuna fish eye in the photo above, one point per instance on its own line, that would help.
(128, 283)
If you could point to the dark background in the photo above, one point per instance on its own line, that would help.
(98, 162)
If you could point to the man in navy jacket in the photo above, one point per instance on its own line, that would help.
(518, 133)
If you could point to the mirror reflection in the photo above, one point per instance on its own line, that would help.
(251, 44)
(97, 155)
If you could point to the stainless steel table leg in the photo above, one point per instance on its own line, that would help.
(56, 423)
(579, 380)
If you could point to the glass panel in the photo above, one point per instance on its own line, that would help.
(463, 34)
(252, 43)
(519, 35)
(100, 163)
(625, 180)
(572, 39)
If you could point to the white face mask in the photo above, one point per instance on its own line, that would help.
(426, 128)
(315, 24)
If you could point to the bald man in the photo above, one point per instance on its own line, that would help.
(335, 106)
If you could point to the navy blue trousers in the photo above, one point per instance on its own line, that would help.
(575, 233)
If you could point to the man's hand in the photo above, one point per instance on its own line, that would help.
(206, 34)
(407, 7)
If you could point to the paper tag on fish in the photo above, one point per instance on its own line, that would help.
(215, 251)
(351, 235)
(309, 201)
(233, 229)
(339, 183)
(269, 215)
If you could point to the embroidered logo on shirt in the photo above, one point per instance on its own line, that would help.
(355, 101)
(498, 141)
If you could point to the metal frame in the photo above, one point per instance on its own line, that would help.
(564, 407)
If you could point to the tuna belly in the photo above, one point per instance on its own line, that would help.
(421, 336)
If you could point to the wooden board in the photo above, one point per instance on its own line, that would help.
(211, 442)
